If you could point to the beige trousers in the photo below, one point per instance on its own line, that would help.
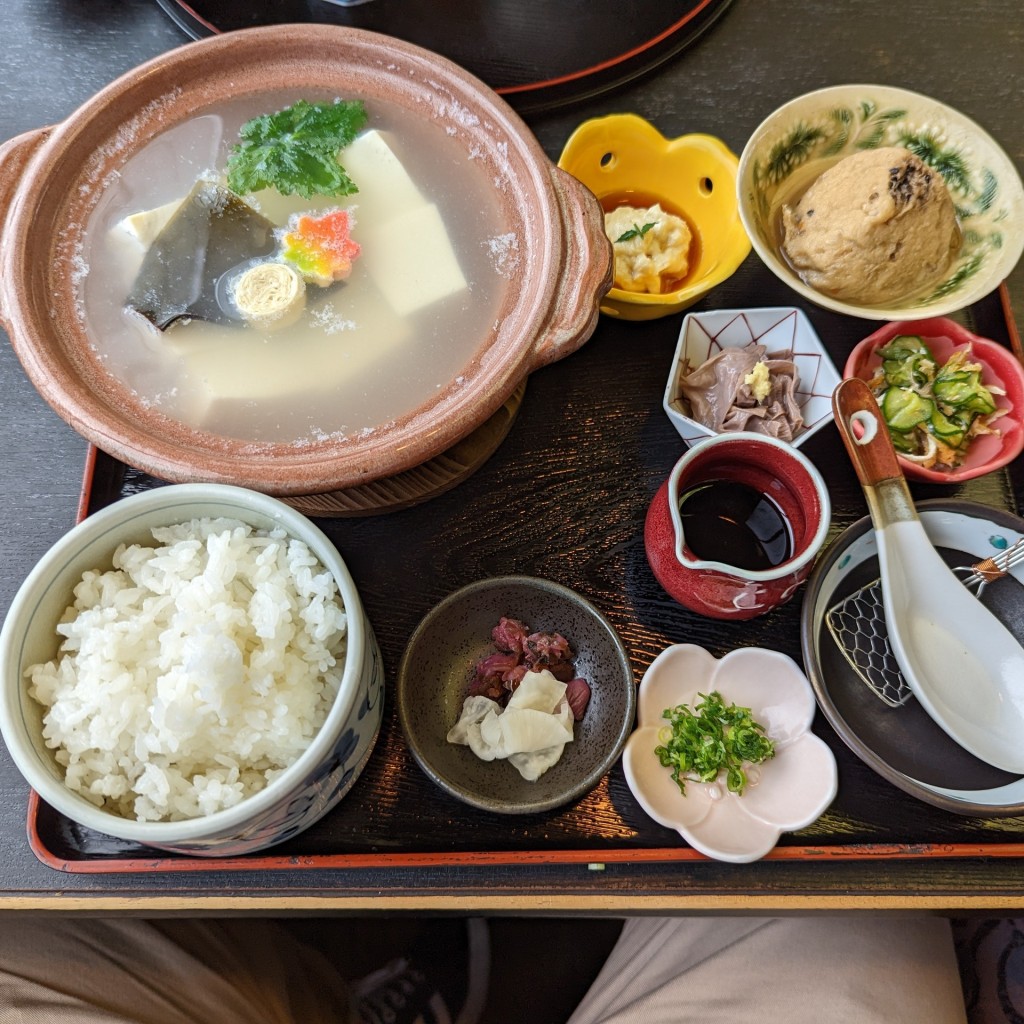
(793, 970)
(713, 970)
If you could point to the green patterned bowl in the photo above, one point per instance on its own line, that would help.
(810, 133)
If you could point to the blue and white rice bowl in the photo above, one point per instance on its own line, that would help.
(296, 796)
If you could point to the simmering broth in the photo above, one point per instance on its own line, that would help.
(365, 351)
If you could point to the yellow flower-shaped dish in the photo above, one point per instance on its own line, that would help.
(621, 156)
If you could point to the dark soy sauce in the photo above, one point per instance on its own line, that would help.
(734, 523)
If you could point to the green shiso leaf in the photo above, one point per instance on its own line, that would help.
(296, 150)
(636, 231)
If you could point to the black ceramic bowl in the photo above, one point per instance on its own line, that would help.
(902, 743)
(437, 668)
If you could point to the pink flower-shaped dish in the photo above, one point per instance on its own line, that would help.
(999, 367)
(786, 793)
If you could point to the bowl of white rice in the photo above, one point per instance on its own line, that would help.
(191, 668)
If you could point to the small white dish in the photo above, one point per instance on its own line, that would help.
(904, 744)
(779, 328)
(786, 793)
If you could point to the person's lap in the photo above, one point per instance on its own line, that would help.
(173, 971)
(818, 970)
(708, 969)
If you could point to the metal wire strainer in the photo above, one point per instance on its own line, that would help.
(857, 624)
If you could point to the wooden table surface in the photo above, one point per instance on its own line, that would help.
(586, 455)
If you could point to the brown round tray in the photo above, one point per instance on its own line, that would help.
(433, 477)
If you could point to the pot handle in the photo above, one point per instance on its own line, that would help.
(584, 276)
(14, 157)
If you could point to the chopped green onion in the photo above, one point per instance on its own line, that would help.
(700, 744)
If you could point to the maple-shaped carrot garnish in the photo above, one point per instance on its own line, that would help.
(321, 248)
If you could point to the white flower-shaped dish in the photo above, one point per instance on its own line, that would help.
(784, 794)
(779, 329)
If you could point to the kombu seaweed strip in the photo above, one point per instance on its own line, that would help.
(211, 233)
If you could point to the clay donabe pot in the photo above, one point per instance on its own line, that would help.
(52, 178)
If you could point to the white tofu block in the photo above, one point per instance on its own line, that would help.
(411, 260)
(145, 225)
(385, 189)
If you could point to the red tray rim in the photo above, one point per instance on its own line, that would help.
(594, 860)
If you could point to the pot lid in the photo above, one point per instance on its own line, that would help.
(532, 52)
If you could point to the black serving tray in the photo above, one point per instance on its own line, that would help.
(564, 497)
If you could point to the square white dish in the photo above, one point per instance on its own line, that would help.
(779, 328)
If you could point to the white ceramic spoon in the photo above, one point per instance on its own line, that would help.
(963, 665)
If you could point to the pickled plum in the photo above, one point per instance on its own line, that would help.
(519, 651)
